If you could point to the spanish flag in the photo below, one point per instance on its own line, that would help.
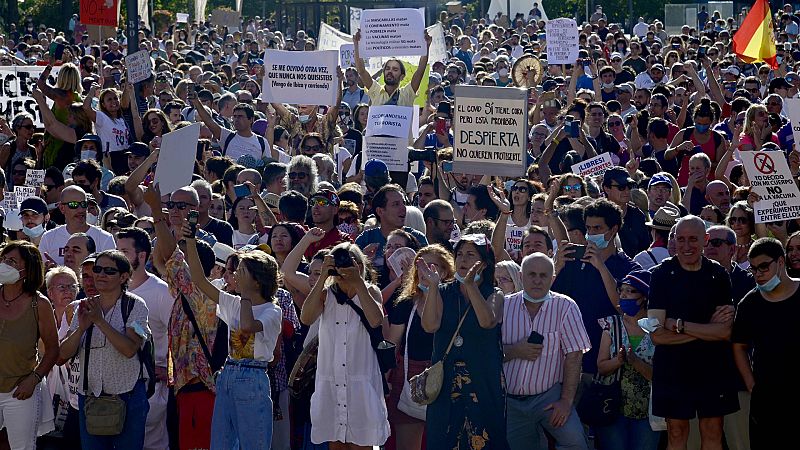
(755, 40)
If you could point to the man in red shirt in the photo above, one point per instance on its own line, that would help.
(324, 211)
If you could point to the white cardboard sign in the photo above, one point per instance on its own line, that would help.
(347, 56)
(176, 158)
(23, 192)
(594, 166)
(392, 32)
(562, 41)
(391, 150)
(792, 106)
(771, 178)
(182, 17)
(389, 120)
(139, 66)
(34, 177)
(304, 78)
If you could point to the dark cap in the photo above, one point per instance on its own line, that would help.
(618, 175)
(779, 83)
(35, 204)
(327, 194)
(139, 149)
(376, 168)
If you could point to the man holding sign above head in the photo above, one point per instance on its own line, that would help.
(393, 73)
(234, 143)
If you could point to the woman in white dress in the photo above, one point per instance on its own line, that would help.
(347, 409)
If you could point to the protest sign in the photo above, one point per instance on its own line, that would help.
(391, 150)
(23, 192)
(16, 86)
(176, 158)
(595, 166)
(771, 178)
(392, 32)
(792, 106)
(514, 240)
(226, 18)
(34, 177)
(355, 18)
(490, 127)
(9, 202)
(389, 120)
(99, 12)
(139, 66)
(182, 17)
(562, 41)
(305, 78)
(347, 56)
(11, 220)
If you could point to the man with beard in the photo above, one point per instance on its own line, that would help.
(393, 73)
(353, 94)
(439, 222)
(641, 98)
(718, 194)
(135, 244)
(302, 175)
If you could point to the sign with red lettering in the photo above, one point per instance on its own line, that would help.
(99, 12)
(595, 166)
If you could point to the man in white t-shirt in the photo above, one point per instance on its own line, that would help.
(238, 142)
(663, 221)
(73, 205)
(135, 244)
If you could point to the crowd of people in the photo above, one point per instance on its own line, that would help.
(299, 295)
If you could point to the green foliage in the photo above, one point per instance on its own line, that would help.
(615, 10)
(162, 19)
(53, 13)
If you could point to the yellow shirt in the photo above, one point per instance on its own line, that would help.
(378, 96)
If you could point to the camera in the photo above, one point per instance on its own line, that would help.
(429, 154)
(341, 259)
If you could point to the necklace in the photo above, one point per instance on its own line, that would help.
(459, 341)
(9, 302)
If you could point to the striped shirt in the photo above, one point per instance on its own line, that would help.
(559, 321)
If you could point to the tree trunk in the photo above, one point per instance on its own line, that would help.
(12, 15)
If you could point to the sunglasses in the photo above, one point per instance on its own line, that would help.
(572, 187)
(615, 124)
(540, 135)
(180, 205)
(718, 242)
(75, 204)
(319, 201)
(523, 189)
(312, 148)
(106, 270)
(297, 175)
(622, 187)
(761, 268)
(742, 220)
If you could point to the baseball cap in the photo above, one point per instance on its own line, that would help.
(616, 55)
(779, 83)
(733, 70)
(639, 280)
(35, 204)
(376, 168)
(326, 194)
(260, 127)
(618, 175)
(222, 252)
(657, 67)
(659, 179)
(138, 149)
(549, 84)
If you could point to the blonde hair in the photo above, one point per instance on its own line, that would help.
(69, 78)
(59, 270)
(446, 264)
(514, 271)
(750, 117)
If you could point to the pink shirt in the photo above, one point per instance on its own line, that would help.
(559, 321)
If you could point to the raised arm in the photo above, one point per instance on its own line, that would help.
(42, 85)
(53, 126)
(714, 89)
(489, 311)
(195, 267)
(133, 185)
(416, 79)
(366, 78)
(299, 280)
(137, 119)
(432, 311)
(315, 302)
(165, 242)
(205, 117)
(87, 102)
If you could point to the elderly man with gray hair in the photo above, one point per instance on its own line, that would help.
(544, 340)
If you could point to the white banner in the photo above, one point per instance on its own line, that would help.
(200, 10)
(594, 166)
(139, 66)
(391, 150)
(176, 158)
(304, 78)
(16, 86)
(392, 32)
(144, 12)
(562, 41)
(792, 106)
(771, 178)
(182, 17)
(389, 120)
(355, 19)
(490, 127)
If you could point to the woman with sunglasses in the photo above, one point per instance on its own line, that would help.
(18, 148)
(254, 325)
(155, 123)
(571, 185)
(405, 329)
(100, 333)
(469, 413)
(26, 317)
(741, 219)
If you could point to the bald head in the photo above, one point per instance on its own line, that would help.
(690, 225)
(73, 194)
(718, 194)
(537, 274)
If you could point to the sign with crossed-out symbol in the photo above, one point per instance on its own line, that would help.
(764, 163)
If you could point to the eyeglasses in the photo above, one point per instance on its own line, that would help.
(615, 124)
(501, 280)
(106, 270)
(718, 242)
(523, 189)
(761, 268)
(65, 287)
(75, 204)
(540, 135)
(318, 201)
(297, 175)
(572, 187)
(448, 222)
(180, 205)
(312, 148)
(738, 219)
(622, 187)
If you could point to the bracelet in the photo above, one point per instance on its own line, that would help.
(556, 141)
(38, 377)
(679, 326)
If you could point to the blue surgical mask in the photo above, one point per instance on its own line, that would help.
(779, 59)
(770, 285)
(702, 128)
(305, 118)
(461, 279)
(598, 239)
(422, 287)
(629, 307)
(34, 232)
(708, 224)
(528, 298)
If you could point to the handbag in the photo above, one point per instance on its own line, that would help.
(406, 404)
(425, 387)
(303, 375)
(105, 415)
(601, 403)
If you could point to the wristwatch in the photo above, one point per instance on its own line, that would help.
(679, 326)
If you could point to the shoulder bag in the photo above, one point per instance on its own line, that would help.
(105, 414)
(406, 404)
(601, 403)
(425, 387)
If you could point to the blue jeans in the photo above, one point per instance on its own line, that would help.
(132, 436)
(527, 419)
(627, 434)
(242, 408)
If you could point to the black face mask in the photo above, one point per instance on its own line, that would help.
(86, 188)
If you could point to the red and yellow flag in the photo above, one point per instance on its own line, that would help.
(755, 39)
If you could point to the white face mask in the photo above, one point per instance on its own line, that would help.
(8, 274)
(34, 232)
(503, 72)
(91, 219)
(88, 154)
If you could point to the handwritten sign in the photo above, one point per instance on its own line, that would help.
(16, 87)
(771, 178)
(490, 126)
(596, 166)
(23, 192)
(34, 177)
(304, 78)
(562, 41)
(514, 240)
(347, 56)
(99, 12)
(139, 66)
(182, 17)
(392, 32)
(391, 150)
(389, 120)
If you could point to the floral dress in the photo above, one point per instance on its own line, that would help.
(470, 411)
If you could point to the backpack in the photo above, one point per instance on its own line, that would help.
(146, 354)
(261, 142)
